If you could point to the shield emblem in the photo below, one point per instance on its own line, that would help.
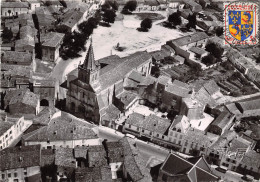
(241, 24)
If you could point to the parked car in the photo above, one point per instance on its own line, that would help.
(248, 178)
(222, 169)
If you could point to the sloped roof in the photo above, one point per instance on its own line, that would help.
(63, 128)
(112, 113)
(233, 109)
(197, 50)
(14, 5)
(89, 62)
(177, 90)
(135, 119)
(64, 158)
(24, 96)
(223, 119)
(197, 171)
(198, 136)
(249, 105)
(96, 156)
(190, 38)
(136, 76)
(156, 124)
(20, 157)
(251, 158)
(130, 163)
(5, 126)
(164, 80)
(95, 174)
(118, 72)
(71, 18)
(180, 122)
(211, 87)
(47, 157)
(203, 96)
(22, 57)
(51, 39)
(115, 152)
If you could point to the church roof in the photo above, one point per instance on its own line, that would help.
(89, 62)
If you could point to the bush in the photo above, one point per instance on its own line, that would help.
(192, 21)
(109, 16)
(146, 24)
(175, 19)
(129, 7)
(215, 50)
(208, 60)
(219, 31)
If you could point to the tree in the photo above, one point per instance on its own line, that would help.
(219, 31)
(215, 50)
(258, 59)
(105, 6)
(87, 27)
(7, 34)
(175, 19)
(63, 3)
(146, 24)
(109, 16)
(9, 12)
(97, 16)
(113, 4)
(155, 71)
(208, 60)
(129, 7)
(192, 21)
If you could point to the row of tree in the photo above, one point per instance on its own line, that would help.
(75, 42)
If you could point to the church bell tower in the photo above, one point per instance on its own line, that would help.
(89, 70)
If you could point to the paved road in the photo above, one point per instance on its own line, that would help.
(147, 150)
(229, 176)
(151, 151)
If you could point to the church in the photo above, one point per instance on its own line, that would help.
(97, 86)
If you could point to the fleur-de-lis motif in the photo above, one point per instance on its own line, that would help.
(237, 15)
(250, 28)
(244, 28)
(234, 20)
(232, 15)
(246, 33)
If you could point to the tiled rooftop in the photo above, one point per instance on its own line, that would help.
(5, 126)
(22, 96)
(14, 56)
(203, 96)
(197, 136)
(64, 158)
(251, 158)
(14, 5)
(177, 90)
(223, 119)
(52, 39)
(96, 156)
(249, 105)
(115, 152)
(20, 157)
(135, 119)
(190, 38)
(132, 166)
(63, 128)
(197, 50)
